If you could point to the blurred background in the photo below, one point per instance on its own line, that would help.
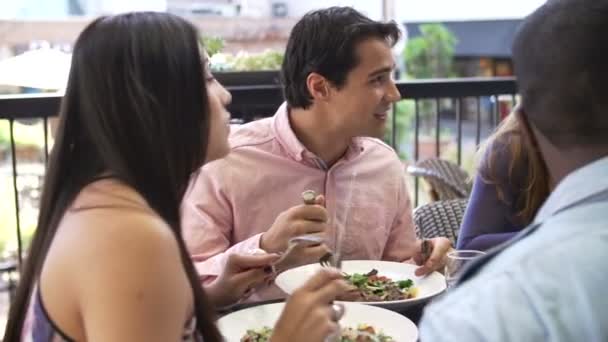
(454, 71)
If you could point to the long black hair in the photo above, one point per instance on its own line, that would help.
(135, 108)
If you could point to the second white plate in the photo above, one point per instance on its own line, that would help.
(234, 326)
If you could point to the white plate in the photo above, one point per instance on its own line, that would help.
(401, 329)
(428, 286)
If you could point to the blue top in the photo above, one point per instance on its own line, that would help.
(549, 286)
(489, 221)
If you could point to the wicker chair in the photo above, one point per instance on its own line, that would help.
(447, 180)
(441, 218)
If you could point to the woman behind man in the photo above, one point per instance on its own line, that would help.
(141, 113)
(510, 186)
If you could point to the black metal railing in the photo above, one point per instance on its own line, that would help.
(437, 105)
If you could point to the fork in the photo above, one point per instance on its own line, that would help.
(308, 197)
(302, 240)
(326, 260)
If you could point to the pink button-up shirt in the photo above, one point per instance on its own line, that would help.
(234, 200)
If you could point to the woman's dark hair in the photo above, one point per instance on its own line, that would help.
(135, 108)
(325, 41)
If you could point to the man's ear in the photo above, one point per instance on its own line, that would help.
(318, 86)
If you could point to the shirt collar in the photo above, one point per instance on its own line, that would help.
(579, 184)
(296, 150)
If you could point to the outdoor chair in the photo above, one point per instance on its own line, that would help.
(440, 218)
(446, 180)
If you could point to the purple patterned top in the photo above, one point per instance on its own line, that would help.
(39, 327)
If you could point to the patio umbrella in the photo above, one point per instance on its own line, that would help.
(43, 68)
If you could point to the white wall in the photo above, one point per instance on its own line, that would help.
(97, 7)
(33, 9)
(442, 10)
(426, 10)
(58, 9)
(406, 10)
(255, 8)
(371, 8)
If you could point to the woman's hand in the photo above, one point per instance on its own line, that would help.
(241, 275)
(308, 315)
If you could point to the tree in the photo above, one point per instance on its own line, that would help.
(431, 54)
(213, 45)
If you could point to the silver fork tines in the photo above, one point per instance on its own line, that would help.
(326, 260)
(302, 240)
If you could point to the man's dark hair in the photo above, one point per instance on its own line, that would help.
(324, 41)
(561, 61)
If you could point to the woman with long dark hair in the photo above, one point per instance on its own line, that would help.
(140, 114)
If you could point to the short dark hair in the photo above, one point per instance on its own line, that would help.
(560, 55)
(324, 42)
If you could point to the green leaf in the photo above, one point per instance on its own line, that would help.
(404, 284)
(358, 279)
(213, 45)
(431, 54)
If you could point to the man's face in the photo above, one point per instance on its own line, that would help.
(361, 106)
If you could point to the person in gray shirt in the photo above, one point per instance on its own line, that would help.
(548, 283)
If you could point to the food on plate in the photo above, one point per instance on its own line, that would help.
(363, 333)
(372, 287)
(257, 335)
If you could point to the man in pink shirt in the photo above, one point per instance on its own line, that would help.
(338, 84)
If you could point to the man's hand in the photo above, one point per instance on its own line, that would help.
(305, 219)
(436, 258)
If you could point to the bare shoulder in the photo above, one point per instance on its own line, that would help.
(135, 247)
(98, 245)
(114, 261)
(110, 232)
(111, 228)
(113, 220)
